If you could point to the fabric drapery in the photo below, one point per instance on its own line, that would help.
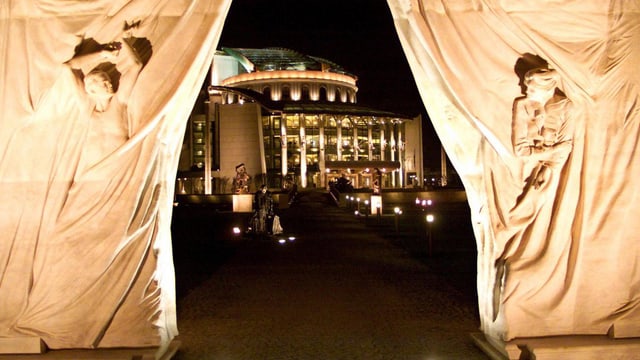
(555, 230)
(85, 256)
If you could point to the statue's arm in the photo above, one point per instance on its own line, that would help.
(521, 144)
(130, 72)
(560, 150)
(91, 60)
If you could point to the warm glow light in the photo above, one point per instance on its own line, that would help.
(288, 74)
(430, 218)
(282, 241)
(236, 230)
(397, 210)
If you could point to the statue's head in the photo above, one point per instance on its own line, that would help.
(541, 83)
(240, 169)
(97, 84)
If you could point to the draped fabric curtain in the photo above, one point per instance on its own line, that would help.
(556, 231)
(87, 179)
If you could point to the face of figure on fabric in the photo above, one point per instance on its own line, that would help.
(541, 84)
(538, 94)
(98, 85)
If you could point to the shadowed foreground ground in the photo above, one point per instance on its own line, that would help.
(345, 288)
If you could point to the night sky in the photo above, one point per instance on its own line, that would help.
(359, 35)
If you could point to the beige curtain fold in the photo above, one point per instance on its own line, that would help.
(85, 253)
(557, 257)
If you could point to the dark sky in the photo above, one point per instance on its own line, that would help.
(359, 35)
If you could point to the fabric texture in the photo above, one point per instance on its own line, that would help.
(551, 188)
(87, 171)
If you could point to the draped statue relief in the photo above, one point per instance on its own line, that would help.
(550, 177)
(95, 103)
(542, 136)
(108, 124)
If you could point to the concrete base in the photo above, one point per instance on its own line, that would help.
(22, 345)
(577, 347)
(242, 202)
(150, 353)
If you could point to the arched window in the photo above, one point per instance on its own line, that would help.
(323, 93)
(286, 93)
(266, 91)
(305, 93)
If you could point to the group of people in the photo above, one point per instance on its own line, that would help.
(264, 221)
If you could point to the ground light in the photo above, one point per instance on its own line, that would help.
(289, 239)
(429, 218)
(397, 211)
(366, 209)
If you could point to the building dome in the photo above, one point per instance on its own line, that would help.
(285, 75)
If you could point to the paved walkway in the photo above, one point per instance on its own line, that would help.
(340, 290)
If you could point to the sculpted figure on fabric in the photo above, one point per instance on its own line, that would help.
(108, 124)
(90, 137)
(117, 268)
(542, 136)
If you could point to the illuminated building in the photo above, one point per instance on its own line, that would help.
(291, 117)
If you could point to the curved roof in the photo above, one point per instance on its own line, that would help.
(270, 59)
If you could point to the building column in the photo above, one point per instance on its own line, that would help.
(295, 91)
(283, 148)
(400, 148)
(393, 144)
(331, 93)
(370, 142)
(355, 142)
(443, 167)
(314, 92)
(207, 149)
(276, 92)
(383, 144)
(321, 160)
(303, 151)
(339, 139)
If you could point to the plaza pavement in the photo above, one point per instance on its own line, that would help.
(346, 288)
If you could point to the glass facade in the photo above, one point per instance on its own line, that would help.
(321, 147)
